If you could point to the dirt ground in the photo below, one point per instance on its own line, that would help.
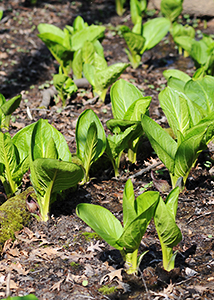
(64, 259)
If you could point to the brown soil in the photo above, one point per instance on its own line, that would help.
(63, 259)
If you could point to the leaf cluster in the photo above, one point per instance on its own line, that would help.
(137, 214)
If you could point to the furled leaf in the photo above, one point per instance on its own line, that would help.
(171, 9)
(104, 78)
(83, 124)
(176, 110)
(137, 109)
(42, 133)
(90, 147)
(134, 231)
(129, 212)
(102, 221)
(201, 93)
(187, 153)
(134, 41)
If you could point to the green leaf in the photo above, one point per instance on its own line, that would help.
(177, 74)
(199, 52)
(102, 221)
(41, 134)
(8, 159)
(56, 174)
(90, 73)
(175, 108)
(88, 51)
(134, 41)
(185, 42)
(90, 33)
(50, 28)
(172, 201)
(201, 93)
(99, 62)
(11, 105)
(119, 142)
(153, 31)
(123, 94)
(104, 78)
(83, 124)
(161, 141)
(171, 9)
(77, 64)
(137, 109)
(49, 176)
(22, 140)
(168, 232)
(113, 125)
(176, 84)
(136, 13)
(187, 154)
(79, 24)
(28, 297)
(180, 30)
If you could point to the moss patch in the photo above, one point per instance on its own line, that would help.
(13, 216)
(106, 290)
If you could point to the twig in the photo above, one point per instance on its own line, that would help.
(200, 216)
(8, 285)
(146, 169)
(144, 282)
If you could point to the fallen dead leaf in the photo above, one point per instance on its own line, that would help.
(76, 278)
(110, 276)
(18, 267)
(57, 285)
(95, 247)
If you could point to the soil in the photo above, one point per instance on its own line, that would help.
(64, 259)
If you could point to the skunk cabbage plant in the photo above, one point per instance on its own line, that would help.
(13, 164)
(90, 140)
(144, 37)
(137, 214)
(168, 232)
(128, 105)
(51, 166)
(63, 44)
(192, 130)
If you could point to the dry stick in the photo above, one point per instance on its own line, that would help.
(200, 216)
(8, 285)
(146, 169)
(144, 282)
